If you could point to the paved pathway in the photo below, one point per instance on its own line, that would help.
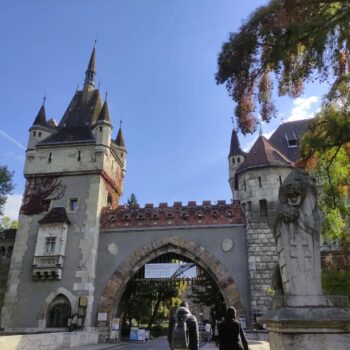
(160, 343)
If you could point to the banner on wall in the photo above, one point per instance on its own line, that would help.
(171, 270)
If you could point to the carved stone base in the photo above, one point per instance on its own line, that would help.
(308, 328)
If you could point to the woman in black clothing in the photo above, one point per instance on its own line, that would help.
(231, 335)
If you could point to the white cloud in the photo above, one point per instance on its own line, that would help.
(303, 108)
(13, 203)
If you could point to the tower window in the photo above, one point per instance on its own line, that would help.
(73, 204)
(34, 133)
(238, 159)
(259, 179)
(50, 244)
(245, 185)
(263, 207)
(39, 134)
(292, 143)
(100, 128)
(50, 158)
(292, 140)
(249, 209)
(233, 160)
(280, 179)
(79, 155)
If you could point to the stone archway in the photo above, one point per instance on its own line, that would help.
(115, 287)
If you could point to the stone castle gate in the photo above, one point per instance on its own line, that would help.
(212, 236)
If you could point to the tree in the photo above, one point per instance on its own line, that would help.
(144, 299)
(206, 292)
(131, 200)
(294, 41)
(6, 223)
(6, 185)
(326, 152)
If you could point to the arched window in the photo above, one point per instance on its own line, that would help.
(58, 312)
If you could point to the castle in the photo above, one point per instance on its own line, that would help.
(76, 248)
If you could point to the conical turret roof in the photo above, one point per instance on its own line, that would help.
(41, 117)
(92, 63)
(104, 114)
(235, 148)
(263, 153)
(120, 139)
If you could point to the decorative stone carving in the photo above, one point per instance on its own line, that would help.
(303, 318)
(113, 248)
(206, 213)
(296, 232)
(227, 245)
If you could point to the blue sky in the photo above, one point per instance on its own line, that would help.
(157, 60)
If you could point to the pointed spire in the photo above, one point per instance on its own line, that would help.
(104, 114)
(235, 148)
(120, 138)
(41, 117)
(91, 69)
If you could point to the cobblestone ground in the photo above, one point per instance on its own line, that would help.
(161, 343)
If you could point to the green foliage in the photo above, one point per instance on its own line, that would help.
(147, 300)
(6, 223)
(326, 147)
(131, 200)
(336, 283)
(6, 185)
(206, 292)
(293, 40)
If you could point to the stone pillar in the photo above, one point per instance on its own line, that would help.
(262, 259)
(303, 318)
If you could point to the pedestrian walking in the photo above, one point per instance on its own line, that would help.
(216, 333)
(208, 330)
(231, 335)
(183, 329)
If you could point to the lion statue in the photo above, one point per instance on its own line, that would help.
(297, 235)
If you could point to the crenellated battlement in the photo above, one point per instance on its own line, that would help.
(164, 215)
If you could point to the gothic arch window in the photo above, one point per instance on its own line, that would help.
(58, 312)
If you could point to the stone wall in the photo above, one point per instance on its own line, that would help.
(48, 341)
(7, 241)
(262, 258)
(260, 184)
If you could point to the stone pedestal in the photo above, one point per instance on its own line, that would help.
(323, 325)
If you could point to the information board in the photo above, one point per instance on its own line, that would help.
(171, 270)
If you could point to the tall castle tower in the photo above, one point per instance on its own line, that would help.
(72, 171)
(235, 159)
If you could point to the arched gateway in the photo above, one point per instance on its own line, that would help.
(213, 236)
(115, 286)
